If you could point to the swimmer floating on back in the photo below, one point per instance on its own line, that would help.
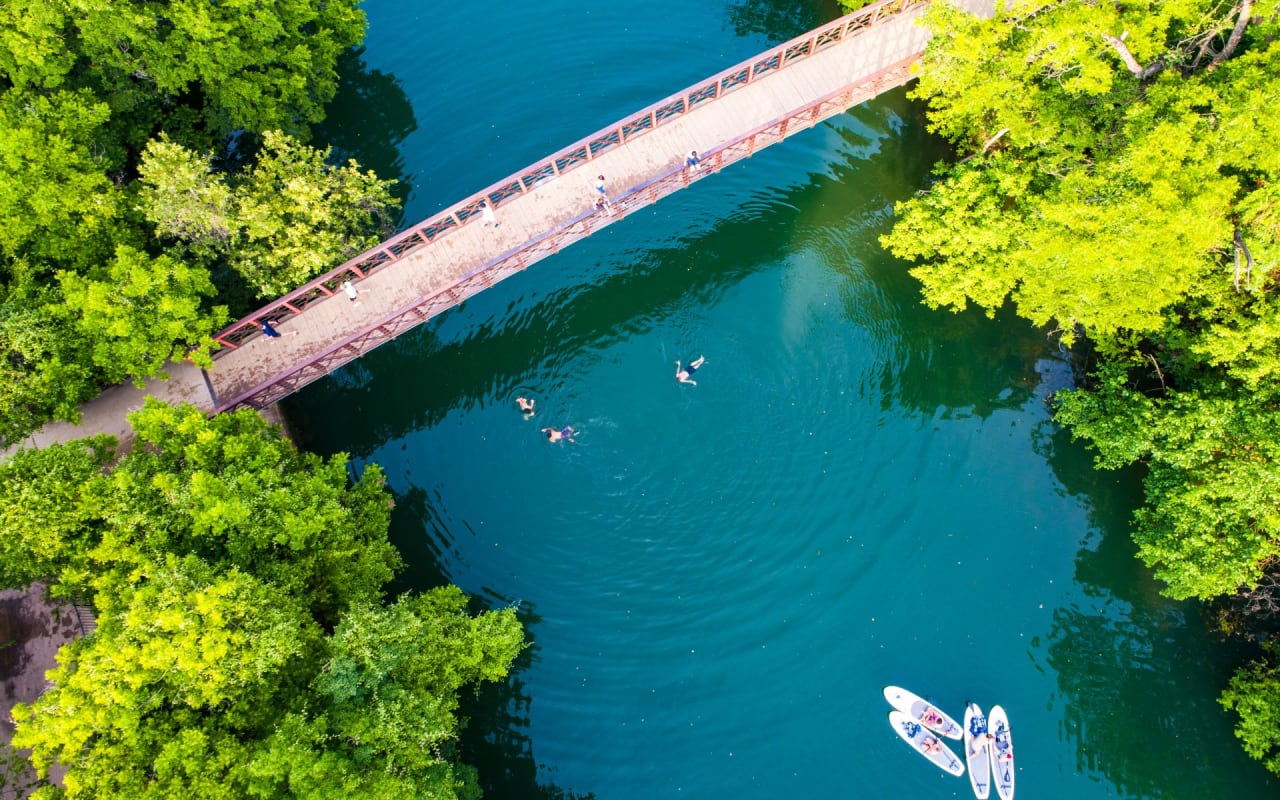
(685, 374)
(526, 405)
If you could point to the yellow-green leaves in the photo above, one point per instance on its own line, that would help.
(139, 312)
(218, 557)
(288, 218)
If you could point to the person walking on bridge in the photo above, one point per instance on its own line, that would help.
(602, 197)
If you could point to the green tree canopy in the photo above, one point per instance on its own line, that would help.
(1254, 694)
(139, 312)
(242, 648)
(101, 278)
(226, 65)
(289, 217)
(1117, 182)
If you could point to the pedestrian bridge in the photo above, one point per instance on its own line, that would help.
(445, 259)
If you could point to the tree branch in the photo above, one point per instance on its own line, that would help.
(1156, 364)
(1237, 33)
(1240, 247)
(1139, 71)
(988, 143)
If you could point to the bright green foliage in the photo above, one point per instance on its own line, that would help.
(390, 689)
(963, 230)
(57, 204)
(141, 312)
(182, 657)
(241, 63)
(45, 370)
(218, 557)
(1076, 149)
(233, 492)
(290, 217)
(1213, 489)
(1254, 694)
(182, 196)
(46, 511)
(297, 217)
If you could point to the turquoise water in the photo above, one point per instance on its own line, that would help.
(718, 579)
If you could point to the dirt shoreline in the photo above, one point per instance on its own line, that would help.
(32, 628)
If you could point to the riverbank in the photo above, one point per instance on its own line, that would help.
(32, 629)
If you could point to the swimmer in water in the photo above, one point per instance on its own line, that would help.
(554, 435)
(685, 374)
(526, 405)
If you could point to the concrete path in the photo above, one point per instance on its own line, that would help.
(108, 412)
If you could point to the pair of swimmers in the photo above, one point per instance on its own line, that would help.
(553, 434)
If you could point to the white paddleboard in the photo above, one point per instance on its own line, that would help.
(915, 707)
(975, 751)
(925, 742)
(1001, 749)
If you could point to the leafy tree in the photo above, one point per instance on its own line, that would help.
(241, 648)
(1254, 694)
(182, 195)
(46, 511)
(289, 217)
(186, 657)
(1073, 149)
(141, 312)
(233, 492)
(1212, 507)
(45, 369)
(57, 204)
(296, 216)
(229, 65)
(389, 692)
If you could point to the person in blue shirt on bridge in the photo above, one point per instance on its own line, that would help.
(272, 333)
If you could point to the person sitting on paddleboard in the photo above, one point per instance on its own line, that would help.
(931, 717)
(930, 744)
(979, 741)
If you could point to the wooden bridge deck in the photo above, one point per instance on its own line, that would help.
(439, 263)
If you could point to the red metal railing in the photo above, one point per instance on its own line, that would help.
(571, 157)
(579, 227)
